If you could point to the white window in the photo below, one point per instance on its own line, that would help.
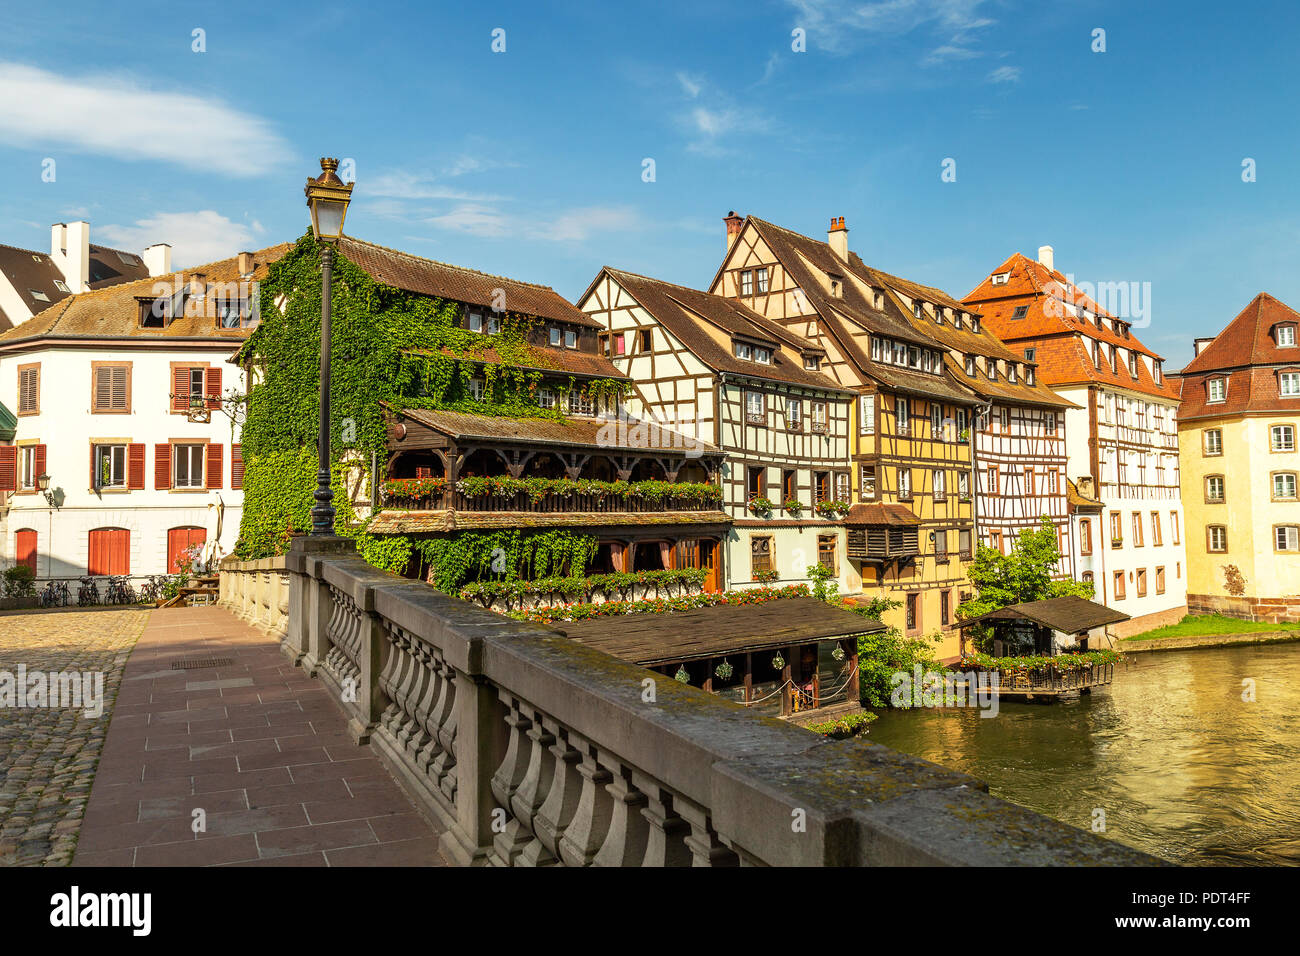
(866, 414)
(581, 404)
(763, 356)
(761, 276)
(819, 416)
(841, 486)
(27, 468)
(476, 389)
(63, 287)
(1285, 333)
(905, 482)
(1217, 537)
(187, 466)
(793, 414)
(1290, 382)
(545, 396)
(963, 484)
(1213, 442)
(1001, 278)
(754, 407)
(940, 485)
(875, 349)
(1288, 537)
(110, 466)
(1216, 390)
(744, 351)
(747, 283)
(903, 413)
(556, 337)
(476, 321)
(1284, 485)
(1282, 438)
(1214, 488)
(570, 339)
(970, 365)
(812, 363)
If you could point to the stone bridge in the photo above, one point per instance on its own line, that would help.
(525, 748)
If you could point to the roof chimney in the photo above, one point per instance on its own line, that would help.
(245, 263)
(1084, 484)
(1047, 258)
(158, 259)
(1200, 345)
(734, 225)
(70, 251)
(838, 238)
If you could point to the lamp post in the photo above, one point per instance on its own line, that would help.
(327, 198)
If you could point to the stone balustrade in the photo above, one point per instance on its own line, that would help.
(532, 749)
(257, 592)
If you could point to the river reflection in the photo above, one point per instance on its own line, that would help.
(1183, 767)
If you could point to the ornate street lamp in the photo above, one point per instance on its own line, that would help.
(327, 198)
(43, 486)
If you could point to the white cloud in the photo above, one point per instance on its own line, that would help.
(118, 116)
(839, 27)
(405, 185)
(195, 237)
(1005, 74)
(576, 225)
(690, 85)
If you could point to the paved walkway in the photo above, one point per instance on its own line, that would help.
(48, 754)
(252, 747)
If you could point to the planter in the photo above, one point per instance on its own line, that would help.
(19, 603)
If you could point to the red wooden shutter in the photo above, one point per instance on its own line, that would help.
(26, 541)
(8, 468)
(180, 389)
(212, 386)
(236, 466)
(135, 467)
(109, 551)
(215, 462)
(180, 540)
(93, 482)
(162, 467)
(40, 460)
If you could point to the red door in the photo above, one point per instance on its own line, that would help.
(27, 548)
(180, 540)
(110, 551)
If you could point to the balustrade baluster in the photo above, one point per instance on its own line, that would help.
(583, 837)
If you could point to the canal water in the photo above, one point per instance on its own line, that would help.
(1183, 767)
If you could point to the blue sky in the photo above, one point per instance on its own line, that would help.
(529, 162)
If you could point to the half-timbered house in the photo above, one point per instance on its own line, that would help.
(910, 532)
(711, 368)
(1122, 432)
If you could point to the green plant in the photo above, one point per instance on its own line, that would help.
(19, 581)
(760, 505)
(778, 662)
(681, 602)
(767, 575)
(832, 509)
(825, 585)
(724, 670)
(172, 586)
(794, 506)
(849, 725)
(681, 676)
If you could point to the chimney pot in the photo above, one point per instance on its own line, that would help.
(158, 259)
(70, 252)
(734, 225)
(838, 238)
(245, 263)
(1047, 257)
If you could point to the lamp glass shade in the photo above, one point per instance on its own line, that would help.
(43, 482)
(327, 218)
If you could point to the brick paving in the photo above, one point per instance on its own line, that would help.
(48, 755)
(256, 745)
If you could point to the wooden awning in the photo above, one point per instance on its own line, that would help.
(650, 639)
(881, 514)
(1070, 615)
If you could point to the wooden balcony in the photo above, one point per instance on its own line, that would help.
(619, 497)
(879, 543)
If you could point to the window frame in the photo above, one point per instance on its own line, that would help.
(197, 481)
(107, 366)
(33, 368)
(1210, 530)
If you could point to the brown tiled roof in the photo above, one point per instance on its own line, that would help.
(28, 270)
(1070, 615)
(1075, 500)
(402, 270)
(606, 434)
(1248, 339)
(406, 522)
(687, 314)
(1252, 389)
(876, 514)
(113, 312)
(544, 359)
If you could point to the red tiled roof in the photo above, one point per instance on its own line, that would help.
(1249, 338)
(1251, 389)
(874, 514)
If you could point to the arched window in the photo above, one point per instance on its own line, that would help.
(25, 547)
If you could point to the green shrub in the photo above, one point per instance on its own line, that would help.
(19, 581)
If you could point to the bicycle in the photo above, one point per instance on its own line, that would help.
(120, 591)
(88, 593)
(54, 594)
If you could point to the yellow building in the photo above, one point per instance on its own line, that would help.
(910, 531)
(1237, 431)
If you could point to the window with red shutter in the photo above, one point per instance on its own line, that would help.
(135, 467)
(109, 551)
(8, 468)
(216, 464)
(180, 388)
(162, 467)
(236, 466)
(212, 386)
(40, 460)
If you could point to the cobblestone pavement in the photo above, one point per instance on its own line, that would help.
(48, 756)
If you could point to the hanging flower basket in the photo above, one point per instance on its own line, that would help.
(778, 663)
(723, 671)
(838, 653)
(681, 675)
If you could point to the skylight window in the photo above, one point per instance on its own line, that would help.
(129, 259)
(1000, 278)
(61, 285)
(39, 295)
(1021, 312)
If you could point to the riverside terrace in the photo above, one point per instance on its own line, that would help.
(589, 760)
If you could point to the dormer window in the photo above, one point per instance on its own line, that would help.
(975, 324)
(1096, 353)
(812, 363)
(938, 314)
(476, 389)
(1288, 384)
(763, 356)
(958, 319)
(1000, 278)
(1029, 375)
(1011, 372)
(880, 301)
(1133, 363)
(556, 337)
(837, 286)
(917, 308)
(570, 339)
(1021, 312)
(474, 322)
(900, 353)
(493, 325)
(1215, 390)
(992, 365)
(745, 351)
(1285, 335)
(970, 365)
(875, 349)
(914, 357)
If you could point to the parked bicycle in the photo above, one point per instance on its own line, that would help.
(54, 594)
(88, 593)
(152, 589)
(120, 591)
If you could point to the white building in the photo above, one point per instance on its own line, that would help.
(1121, 438)
(118, 398)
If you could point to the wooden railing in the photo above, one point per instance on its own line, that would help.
(547, 504)
(532, 749)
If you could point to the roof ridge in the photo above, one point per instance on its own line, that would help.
(449, 265)
(33, 252)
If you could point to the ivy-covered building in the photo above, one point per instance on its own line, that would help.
(480, 437)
